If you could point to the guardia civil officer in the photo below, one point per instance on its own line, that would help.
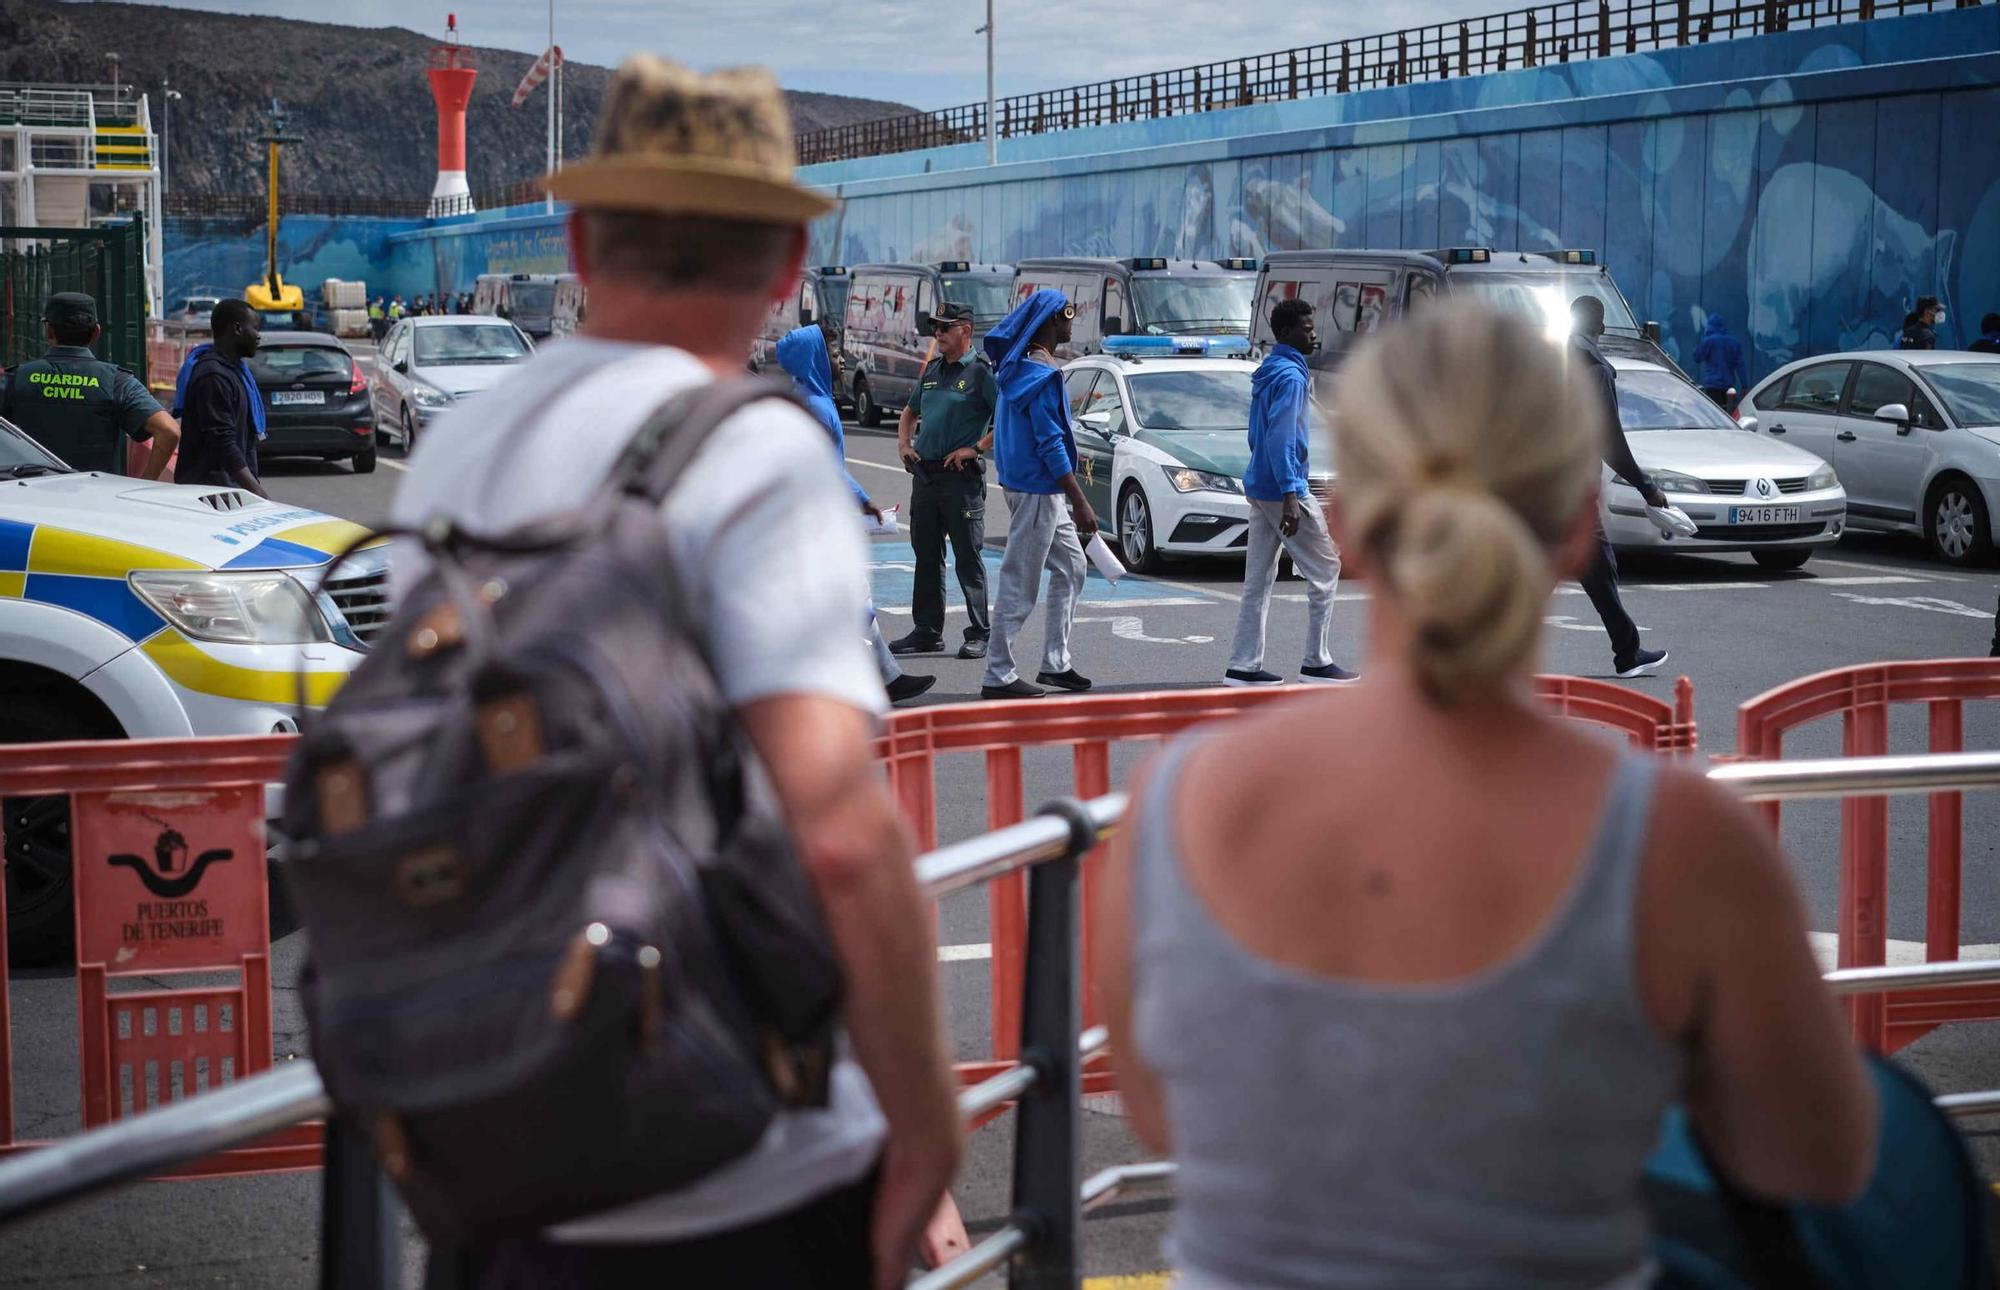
(80, 407)
(943, 437)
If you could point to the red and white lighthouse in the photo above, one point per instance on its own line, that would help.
(451, 75)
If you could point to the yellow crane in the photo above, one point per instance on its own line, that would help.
(274, 294)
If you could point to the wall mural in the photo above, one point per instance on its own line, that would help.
(1809, 227)
(229, 254)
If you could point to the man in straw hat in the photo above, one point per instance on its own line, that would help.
(687, 225)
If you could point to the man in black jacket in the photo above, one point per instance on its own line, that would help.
(218, 430)
(1600, 583)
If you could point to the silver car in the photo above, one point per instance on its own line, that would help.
(430, 363)
(1745, 492)
(1913, 434)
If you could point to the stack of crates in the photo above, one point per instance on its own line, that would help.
(346, 306)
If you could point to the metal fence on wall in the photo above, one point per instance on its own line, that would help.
(1569, 31)
(254, 207)
(107, 263)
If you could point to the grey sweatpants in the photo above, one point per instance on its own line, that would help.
(1040, 533)
(1313, 555)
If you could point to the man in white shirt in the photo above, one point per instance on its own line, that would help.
(686, 225)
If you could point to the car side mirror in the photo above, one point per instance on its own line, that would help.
(1748, 423)
(1114, 326)
(924, 327)
(1897, 414)
(1098, 421)
(403, 366)
(1652, 332)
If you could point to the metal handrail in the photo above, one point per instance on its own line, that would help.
(1773, 781)
(252, 1107)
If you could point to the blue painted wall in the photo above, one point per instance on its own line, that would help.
(1808, 186)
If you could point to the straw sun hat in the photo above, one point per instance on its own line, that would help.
(671, 141)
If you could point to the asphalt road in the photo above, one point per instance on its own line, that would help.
(1735, 629)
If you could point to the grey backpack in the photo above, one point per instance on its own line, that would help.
(563, 955)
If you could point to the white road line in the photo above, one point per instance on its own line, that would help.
(964, 953)
(876, 465)
(1168, 603)
(1861, 582)
(1881, 568)
(393, 465)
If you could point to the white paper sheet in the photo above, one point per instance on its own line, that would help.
(1106, 563)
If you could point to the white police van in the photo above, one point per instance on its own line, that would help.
(133, 610)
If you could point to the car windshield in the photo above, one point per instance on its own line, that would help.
(1173, 401)
(531, 298)
(21, 456)
(469, 343)
(1649, 400)
(833, 297)
(1182, 306)
(280, 320)
(277, 364)
(1971, 391)
(990, 298)
(1545, 297)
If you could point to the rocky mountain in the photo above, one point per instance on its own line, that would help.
(357, 95)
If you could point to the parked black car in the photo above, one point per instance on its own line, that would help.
(316, 400)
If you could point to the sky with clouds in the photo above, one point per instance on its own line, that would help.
(914, 52)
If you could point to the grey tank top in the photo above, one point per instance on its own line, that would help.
(1485, 1132)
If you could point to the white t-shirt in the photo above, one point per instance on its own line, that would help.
(769, 548)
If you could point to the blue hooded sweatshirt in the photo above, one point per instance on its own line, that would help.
(1720, 357)
(802, 353)
(249, 383)
(1278, 438)
(1032, 444)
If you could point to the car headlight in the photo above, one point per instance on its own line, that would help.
(1186, 479)
(1821, 478)
(426, 397)
(1672, 481)
(247, 607)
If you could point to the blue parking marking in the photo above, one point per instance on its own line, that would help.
(893, 576)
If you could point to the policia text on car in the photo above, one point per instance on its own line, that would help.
(80, 407)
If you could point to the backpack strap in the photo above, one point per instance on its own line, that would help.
(672, 436)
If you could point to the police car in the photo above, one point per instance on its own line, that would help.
(147, 611)
(1162, 429)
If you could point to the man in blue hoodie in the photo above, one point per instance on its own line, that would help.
(812, 359)
(1283, 513)
(1720, 358)
(1036, 460)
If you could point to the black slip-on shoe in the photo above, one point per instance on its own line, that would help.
(1068, 680)
(1246, 676)
(906, 687)
(1014, 689)
(1330, 674)
(917, 643)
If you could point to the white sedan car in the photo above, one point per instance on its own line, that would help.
(1163, 443)
(432, 362)
(1744, 491)
(1913, 434)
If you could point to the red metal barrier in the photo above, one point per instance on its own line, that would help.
(1861, 697)
(914, 739)
(169, 860)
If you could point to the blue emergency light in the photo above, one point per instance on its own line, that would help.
(955, 266)
(833, 270)
(1177, 346)
(1468, 255)
(1148, 262)
(1238, 263)
(1576, 257)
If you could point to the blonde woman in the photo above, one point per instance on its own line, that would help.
(1405, 975)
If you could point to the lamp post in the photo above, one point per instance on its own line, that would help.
(549, 201)
(167, 96)
(992, 126)
(113, 60)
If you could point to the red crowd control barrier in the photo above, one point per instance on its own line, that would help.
(914, 739)
(167, 839)
(1861, 697)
